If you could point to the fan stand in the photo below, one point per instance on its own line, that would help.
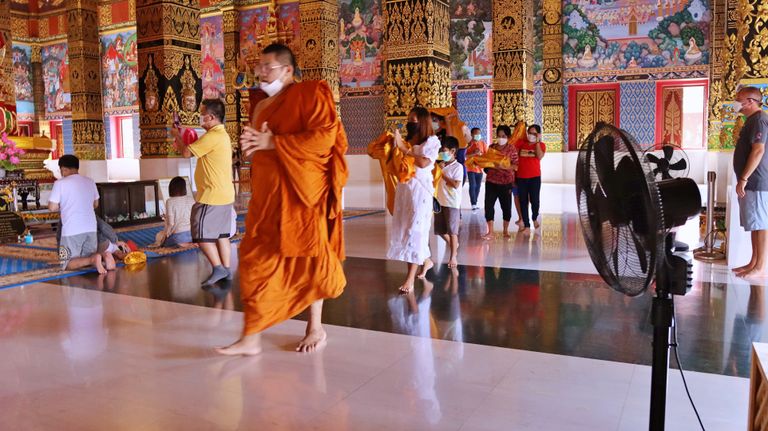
(673, 277)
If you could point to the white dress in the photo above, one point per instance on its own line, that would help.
(412, 220)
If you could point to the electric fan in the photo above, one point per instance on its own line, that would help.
(673, 164)
(626, 218)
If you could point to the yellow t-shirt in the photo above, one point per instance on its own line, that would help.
(213, 174)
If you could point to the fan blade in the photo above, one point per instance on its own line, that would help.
(665, 175)
(678, 165)
(656, 171)
(604, 162)
(640, 253)
(668, 151)
(652, 158)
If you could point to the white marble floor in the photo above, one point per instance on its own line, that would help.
(76, 359)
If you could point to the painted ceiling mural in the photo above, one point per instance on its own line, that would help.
(56, 78)
(119, 70)
(360, 39)
(609, 35)
(471, 43)
(212, 42)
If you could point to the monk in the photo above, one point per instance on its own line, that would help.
(290, 257)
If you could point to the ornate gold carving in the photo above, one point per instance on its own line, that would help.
(553, 126)
(512, 25)
(88, 139)
(753, 29)
(319, 38)
(19, 28)
(509, 107)
(416, 28)
(593, 107)
(419, 83)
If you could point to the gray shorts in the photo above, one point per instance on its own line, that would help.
(753, 210)
(211, 222)
(448, 221)
(73, 246)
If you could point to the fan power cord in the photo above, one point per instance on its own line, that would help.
(673, 345)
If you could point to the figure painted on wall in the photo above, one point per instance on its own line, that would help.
(22, 73)
(253, 25)
(56, 78)
(289, 25)
(623, 34)
(119, 70)
(360, 38)
(471, 23)
(212, 65)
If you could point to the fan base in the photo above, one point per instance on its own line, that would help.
(709, 256)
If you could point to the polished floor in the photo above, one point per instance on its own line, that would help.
(523, 336)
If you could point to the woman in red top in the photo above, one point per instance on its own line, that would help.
(499, 183)
(530, 152)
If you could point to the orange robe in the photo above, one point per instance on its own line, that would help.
(453, 125)
(293, 247)
(493, 158)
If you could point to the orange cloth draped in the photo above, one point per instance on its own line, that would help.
(395, 166)
(291, 254)
(493, 158)
(519, 132)
(453, 125)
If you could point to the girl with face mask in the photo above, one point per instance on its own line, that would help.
(530, 151)
(476, 148)
(499, 184)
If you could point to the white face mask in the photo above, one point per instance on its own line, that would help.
(273, 87)
(501, 141)
(435, 126)
(478, 137)
(737, 106)
(532, 137)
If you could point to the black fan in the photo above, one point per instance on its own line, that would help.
(626, 218)
(674, 164)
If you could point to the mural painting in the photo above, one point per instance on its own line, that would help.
(360, 39)
(471, 45)
(56, 78)
(253, 28)
(605, 35)
(119, 70)
(212, 42)
(538, 39)
(22, 82)
(289, 25)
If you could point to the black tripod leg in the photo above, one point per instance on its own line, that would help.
(661, 318)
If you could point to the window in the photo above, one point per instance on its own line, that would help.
(681, 111)
(122, 137)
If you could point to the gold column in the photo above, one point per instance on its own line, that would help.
(7, 92)
(319, 57)
(553, 110)
(718, 55)
(231, 30)
(753, 30)
(512, 61)
(38, 87)
(85, 79)
(169, 70)
(417, 66)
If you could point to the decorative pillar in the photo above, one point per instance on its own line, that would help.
(417, 66)
(319, 55)
(512, 61)
(169, 70)
(85, 79)
(753, 30)
(717, 74)
(38, 88)
(231, 30)
(553, 111)
(7, 92)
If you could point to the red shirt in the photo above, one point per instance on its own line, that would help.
(503, 176)
(529, 165)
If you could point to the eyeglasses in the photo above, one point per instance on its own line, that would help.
(266, 68)
(756, 100)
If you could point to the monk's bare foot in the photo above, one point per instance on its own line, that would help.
(453, 263)
(428, 264)
(248, 345)
(109, 262)
(314, 340)
(96, 261)
(405, 288)
(753, 274)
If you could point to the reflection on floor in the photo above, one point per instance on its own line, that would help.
(76, 359)
(523, 336)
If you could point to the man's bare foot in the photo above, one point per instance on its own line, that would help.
(109, 262)
(536, 224)
(405, 289)
(428, 264)
(507, 235)
(98, 264)
(313, 341)
(752, 274)
(248, 345)
(743, 268)
(487, 237)
(452, 263)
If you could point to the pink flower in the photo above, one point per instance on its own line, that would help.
(14, 160)
(3, 156)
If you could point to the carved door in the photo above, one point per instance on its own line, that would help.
(591, 108)
(672, 115)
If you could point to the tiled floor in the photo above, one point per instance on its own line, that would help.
(528, 337)
(77, 359)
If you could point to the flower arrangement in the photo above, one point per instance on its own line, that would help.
(9, 153)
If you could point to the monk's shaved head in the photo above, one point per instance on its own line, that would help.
(283, 55)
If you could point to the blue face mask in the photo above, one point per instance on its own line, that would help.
(478, 137)
(445, 156)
